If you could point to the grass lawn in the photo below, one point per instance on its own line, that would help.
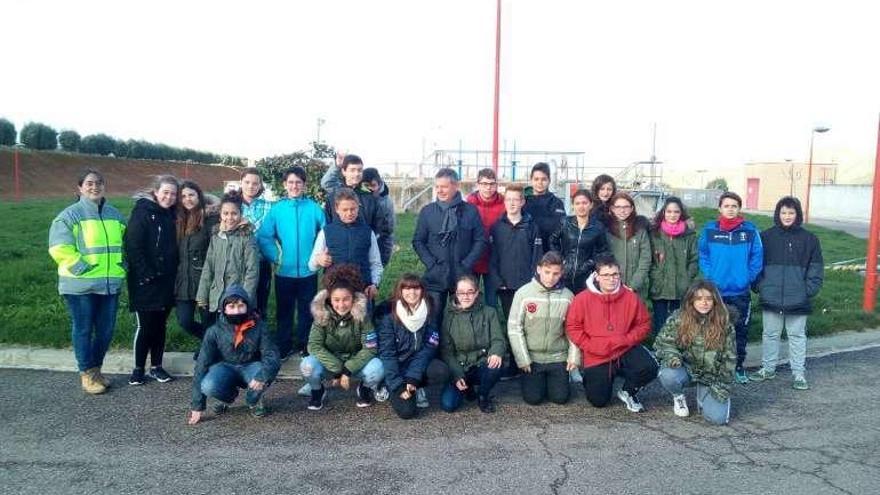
(34, 313)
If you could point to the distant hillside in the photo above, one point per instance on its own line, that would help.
(54, 173)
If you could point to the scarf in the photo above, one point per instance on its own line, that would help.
(415, 320)
(240, 330)
(449, 222)
(673, 229)
(729, 225)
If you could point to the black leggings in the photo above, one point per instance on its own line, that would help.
(149, 337)
(637, 367)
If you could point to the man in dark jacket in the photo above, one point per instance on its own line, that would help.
(449, 239)
(793, 274)
(385, 208)
(237, 352)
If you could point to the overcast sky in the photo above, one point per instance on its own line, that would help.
(725, 84)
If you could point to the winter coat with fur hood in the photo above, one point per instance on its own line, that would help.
(150, 248)
(343, 344)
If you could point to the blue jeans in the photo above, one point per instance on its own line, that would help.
(482, 376)
(93, 317)
(293, 293)
(224, 379)
(674, 380)
(312, 371)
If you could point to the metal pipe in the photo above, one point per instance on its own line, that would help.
(870, 293)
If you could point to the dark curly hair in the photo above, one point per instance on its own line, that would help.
(343, 276)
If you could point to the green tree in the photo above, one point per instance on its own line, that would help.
(311, 160)
(69, 140)
(97, 144)
(39, 136)
(719, 183)
(7, 133)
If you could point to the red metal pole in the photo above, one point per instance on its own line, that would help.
(497, 87)
(870, 294)
(16, 174)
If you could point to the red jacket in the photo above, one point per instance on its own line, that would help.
(490, 212)
(605, 326)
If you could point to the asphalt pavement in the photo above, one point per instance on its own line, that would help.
(54, 439)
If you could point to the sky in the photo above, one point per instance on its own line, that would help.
(725, 84)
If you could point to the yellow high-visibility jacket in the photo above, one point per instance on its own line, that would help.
(85, 240)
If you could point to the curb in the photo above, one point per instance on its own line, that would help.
(119, 362)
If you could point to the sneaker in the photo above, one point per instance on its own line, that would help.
(90, 385)
(220, 407)
(305, 390)
(630, 401)
(486, 404)
(365, 396)
(382, 394)
(259, 409)
(316, 403)
(421, 398)
(800, 383)
(680, 406)
(761, 375)
(574, 376)
(739, 376)
(160, 375)
(99, 377)
(137, 377)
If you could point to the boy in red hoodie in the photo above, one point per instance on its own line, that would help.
(490, 205)
(608, 322)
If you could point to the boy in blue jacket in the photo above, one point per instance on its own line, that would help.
(731, 256)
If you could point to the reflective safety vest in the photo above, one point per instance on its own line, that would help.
(85, 240)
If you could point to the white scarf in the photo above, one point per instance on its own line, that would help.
(413, 322)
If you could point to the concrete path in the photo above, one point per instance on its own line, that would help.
(853, 227)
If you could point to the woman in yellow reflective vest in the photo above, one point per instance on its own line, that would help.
(85, 240)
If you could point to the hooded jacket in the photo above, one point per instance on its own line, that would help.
(793, 267)
(490, 211)
(232, 258)
(151, 252)
(605, 326)
(85, 240)
(342, 344)
(536, 326)
(446, 260)
(192, 250)
(732, 260)
(516, 252)
(288, 234)
(712, 368)
(547, 212)
(633, 251)
(579, 247)
(405, 355)
(676, 264)
(218, 347)
(469, 336)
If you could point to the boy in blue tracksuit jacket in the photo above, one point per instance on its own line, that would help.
(731, 256)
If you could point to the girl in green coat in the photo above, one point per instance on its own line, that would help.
(630, 243)
(232, 258)
(472, 344)
(676, 263)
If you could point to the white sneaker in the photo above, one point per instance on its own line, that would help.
(574, 376)
(421, 398)
(305, 390)
(382, 394)
(631, 403)
(680, 406)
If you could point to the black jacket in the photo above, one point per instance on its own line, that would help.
(446, 260)
(793, 267)
(191, 258)
(405, 355)
(579, 248)
(150, 248)
(547, 212)
(516, 252)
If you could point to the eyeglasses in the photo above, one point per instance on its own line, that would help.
(609, 275)
(470, 293)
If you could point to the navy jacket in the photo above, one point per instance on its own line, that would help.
(516, 252)
(405, 355)
(350, 243)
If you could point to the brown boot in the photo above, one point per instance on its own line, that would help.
(99, 377)
(90, 385)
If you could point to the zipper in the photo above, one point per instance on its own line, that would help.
(577, 247)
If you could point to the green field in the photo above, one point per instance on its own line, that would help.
(34, 313)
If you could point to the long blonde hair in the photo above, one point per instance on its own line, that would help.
(713, 326)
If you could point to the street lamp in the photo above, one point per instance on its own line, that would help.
(818, 129)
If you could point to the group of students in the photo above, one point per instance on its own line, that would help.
(572, 290)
